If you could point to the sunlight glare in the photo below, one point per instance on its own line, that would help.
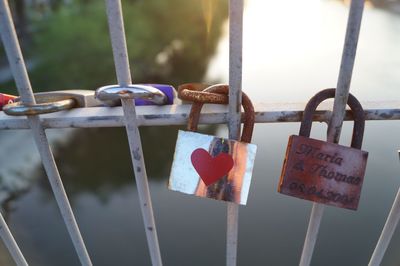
(208, 11)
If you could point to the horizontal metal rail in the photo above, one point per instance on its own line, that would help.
(178, 114)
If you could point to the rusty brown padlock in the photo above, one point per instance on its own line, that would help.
(321, 171)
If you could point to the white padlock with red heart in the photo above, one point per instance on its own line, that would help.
(214, 167)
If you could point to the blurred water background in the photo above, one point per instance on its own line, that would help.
(292, 49)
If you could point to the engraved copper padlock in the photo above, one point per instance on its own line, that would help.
(214, 167)
(325, 172)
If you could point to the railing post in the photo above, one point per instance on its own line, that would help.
(336, 121)
(10, 243)
(387, 232)
(235, 99)
(20, 74)
(121, 60)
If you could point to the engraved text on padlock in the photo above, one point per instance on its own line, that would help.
(321, 171)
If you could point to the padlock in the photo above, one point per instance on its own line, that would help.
(6, 99)
(321, 171)
(214, 167)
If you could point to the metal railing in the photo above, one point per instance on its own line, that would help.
(117, 33)
(131, 118)
(336, 121)
(21, 78)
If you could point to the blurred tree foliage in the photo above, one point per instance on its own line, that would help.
(167, 41)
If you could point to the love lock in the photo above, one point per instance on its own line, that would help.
(213, 167)
(6, 99)
(321, 171)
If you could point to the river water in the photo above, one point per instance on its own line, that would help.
(292, 49)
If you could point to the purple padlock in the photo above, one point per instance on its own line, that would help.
(168, 90)
(144, 94)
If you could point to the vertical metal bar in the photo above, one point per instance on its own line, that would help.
(235, 99)
(10, 243)
(346, 69)
(312, 233)
(117, 34)
(387, 232)
(20, 74)
(336, 121)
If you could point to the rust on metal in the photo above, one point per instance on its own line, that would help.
(356, 110)
(192, 176)
(325, 172)
(249, 115)
(196, 92)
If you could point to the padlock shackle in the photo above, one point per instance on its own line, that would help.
(248, 119)
(352, 102)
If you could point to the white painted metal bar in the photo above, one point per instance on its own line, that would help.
(20, 74)
(178, 114)
(10, 243)
(312, 234)
(121, 60)
(346, 69)
(234, 120)
(336, 121)
(387, 232)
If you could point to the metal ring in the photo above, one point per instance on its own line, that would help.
(19, 108)
(133, 91)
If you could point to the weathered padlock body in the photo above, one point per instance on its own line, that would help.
(323, 172)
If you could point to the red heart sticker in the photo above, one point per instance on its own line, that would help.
(211, 169)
